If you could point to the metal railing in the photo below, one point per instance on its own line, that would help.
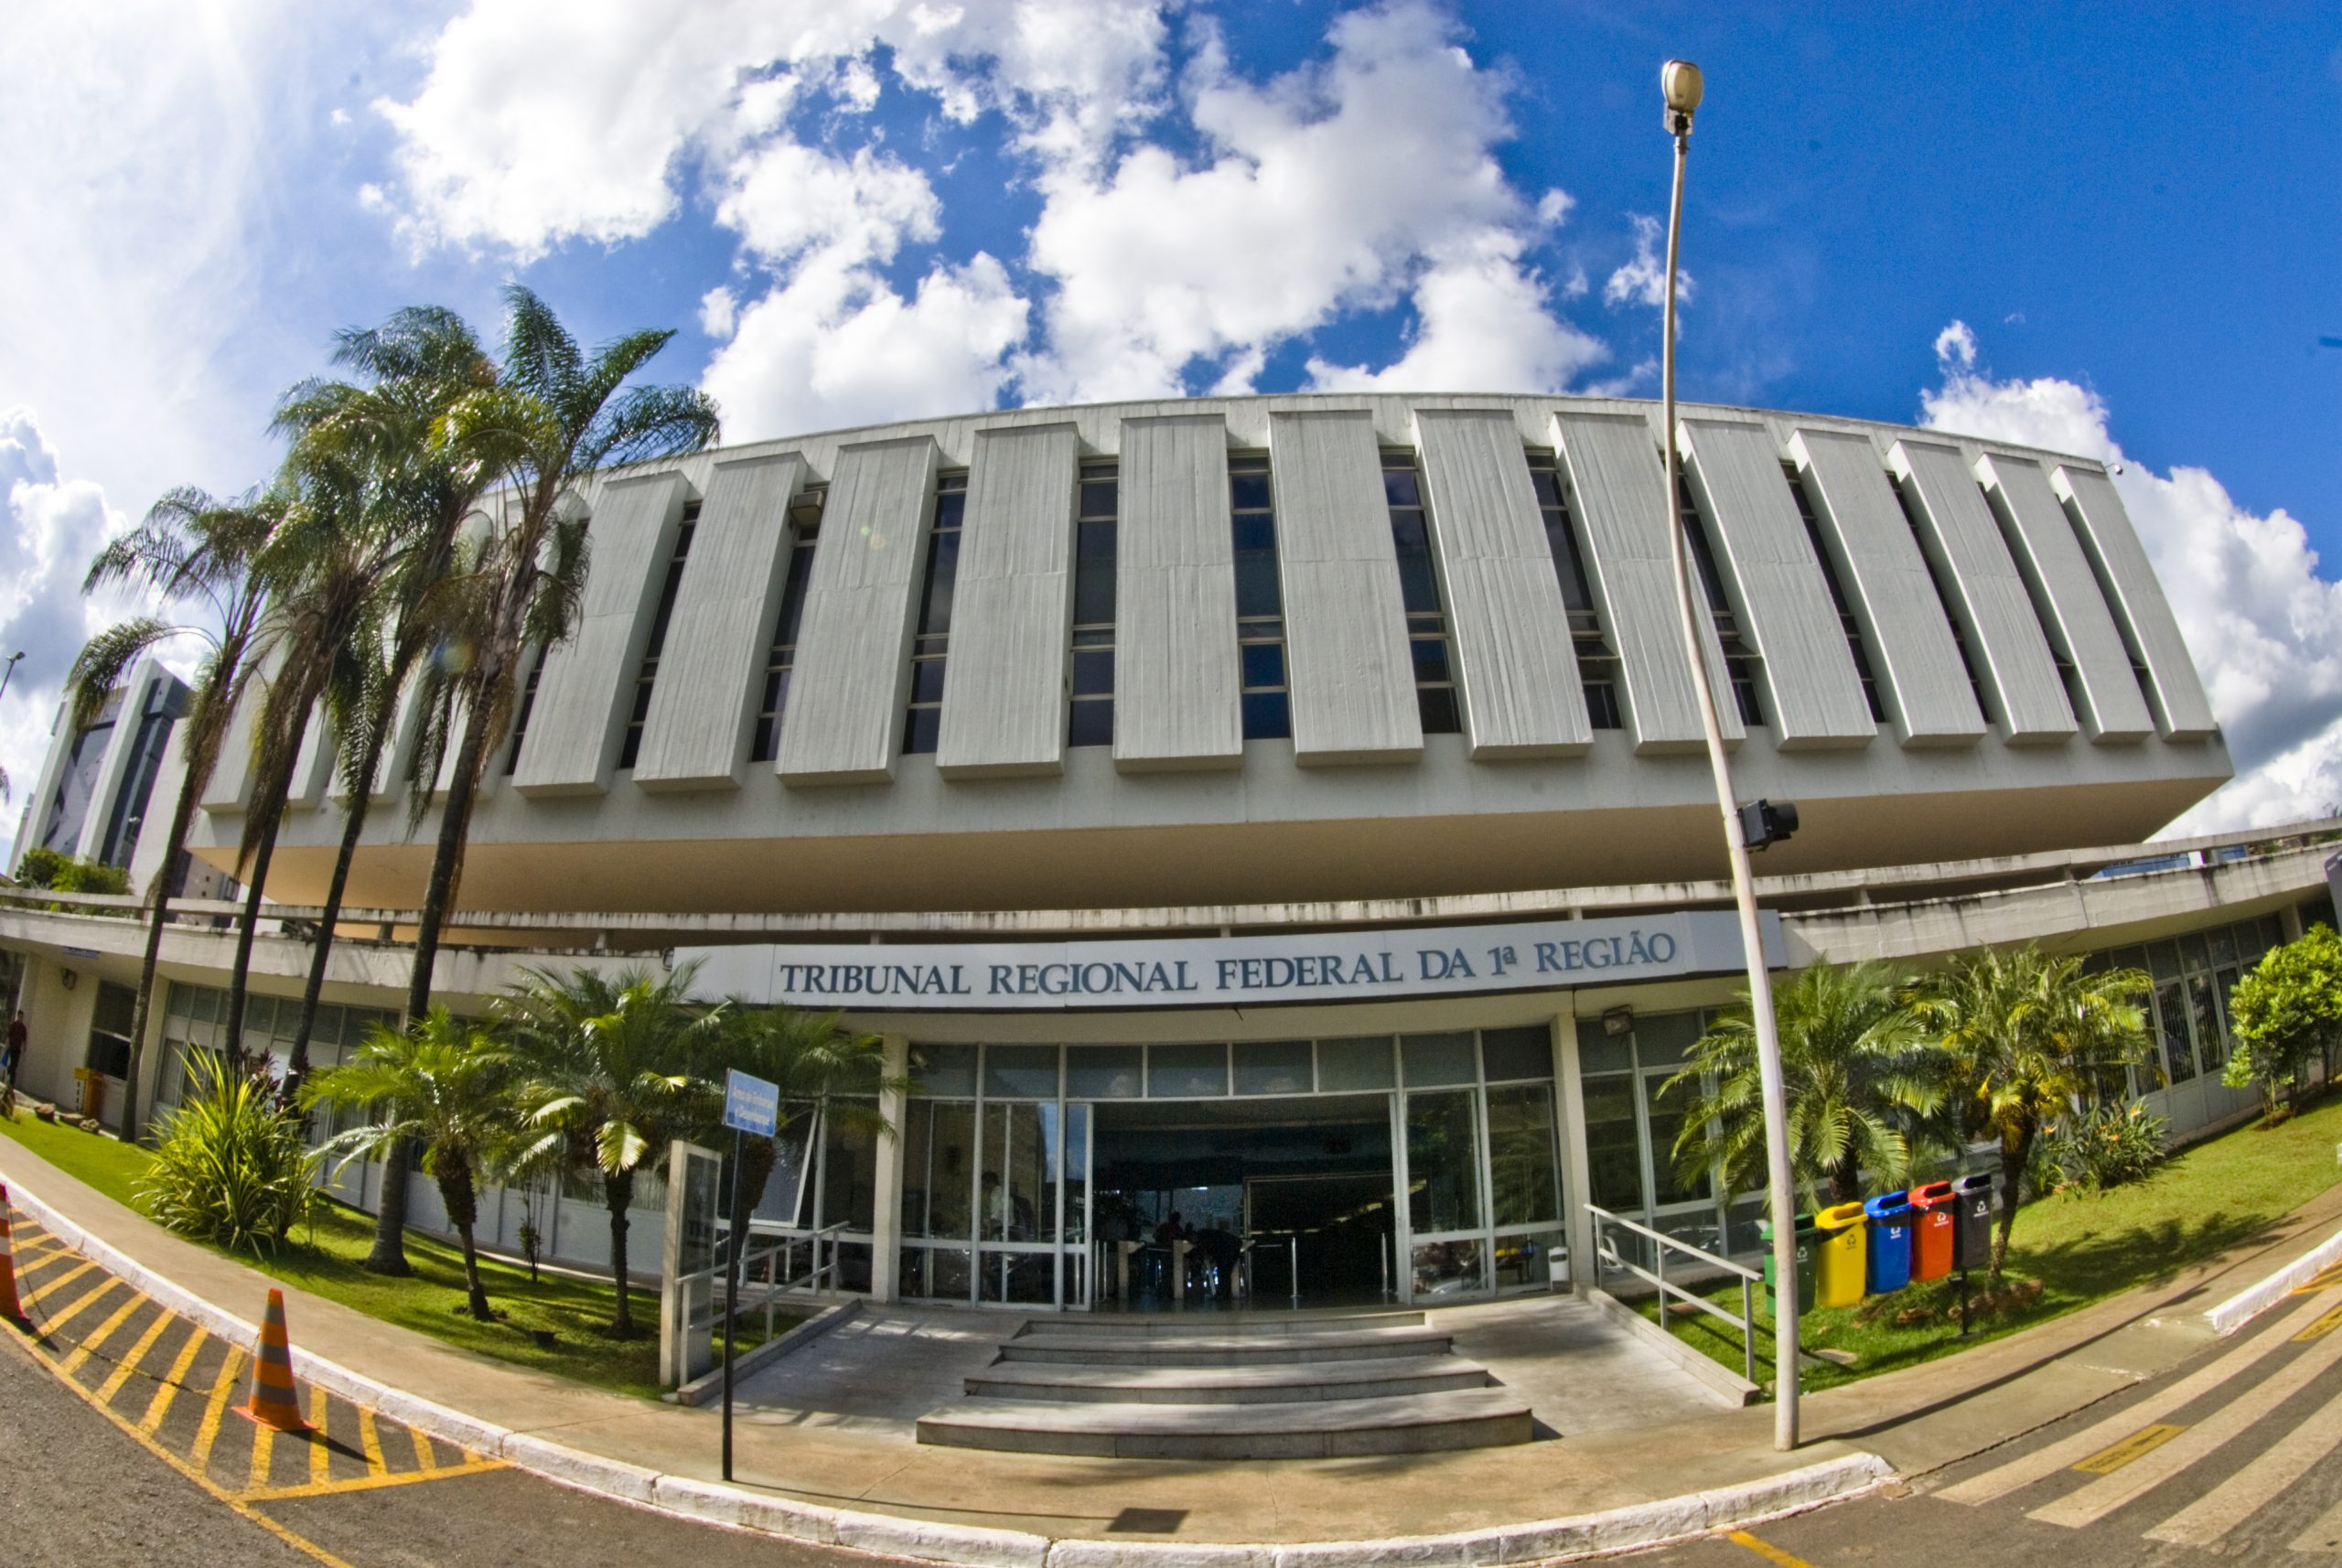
(1606, 1253)
(766, 1258)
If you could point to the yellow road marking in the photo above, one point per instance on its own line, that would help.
(1767, 1551)
(2146, 1440)
(2324, 1279)
(99, 1335)
(29, 1301)
(319, 1453)
(299, 1543)
(50, 1323)
(160, 1405)
(207, 1432)
(371, 1483)
(263, 1451)
(129, 1364)
(370, 1439)
(425, 1460)
(2326, 1324)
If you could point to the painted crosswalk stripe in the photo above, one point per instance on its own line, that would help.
(2327, 1322)
(2233, 1419)
(2325, 1534)
(2239, 1497)
(2067, 1451)
(160, 1405)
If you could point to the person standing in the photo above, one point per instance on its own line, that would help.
(10, 1058)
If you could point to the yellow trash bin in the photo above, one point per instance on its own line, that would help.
(1840, 1248)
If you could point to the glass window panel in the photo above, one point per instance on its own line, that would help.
(2172, 1004)
(1267, 716)
(1104, 1072)
(1253, 536)
(1599, 1051)
(849, 1175)
(926, 726)
(1094, 672)
(2223, 944)
(1355, 1063)
(2207, 1022)
(1443, 1162)
(1438, 1058)
(950, 1273)
(944, 1069)
(1418, 588)
(1093, 723)
(1021, 1072)
(1526, 1262)
(1263, 663)
(1248, 492)
(1024, 1279)
(2192, 951)
(1016, 1193)
(2162, 961)
(1077, 1180)
(1256, 583)
(1614, 1153)
(1097, 498)
(1272, 1066)
(1448, 1267)
(1399, 488)
(1435, 708)
(949, 1171)
(1178, 1072)
(1524, 1170)
(1525, 1052)
(926, 681)
(1431, 658)
(1662, 1039)
(1666, 1121)
(1094, 594)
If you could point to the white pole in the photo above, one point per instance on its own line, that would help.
(1781, 1187)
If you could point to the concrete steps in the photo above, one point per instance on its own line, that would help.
(1230, 1386)
(1321, 1429)
(1285, 1382)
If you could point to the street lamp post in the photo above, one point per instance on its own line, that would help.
(8, 670)
(1679, 80)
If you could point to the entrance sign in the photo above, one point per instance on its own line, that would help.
(1233, 972)
(750, 1104)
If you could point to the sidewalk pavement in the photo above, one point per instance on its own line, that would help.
(879, 1491)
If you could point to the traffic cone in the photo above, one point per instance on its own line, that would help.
(10, 1307)
(274, 1402)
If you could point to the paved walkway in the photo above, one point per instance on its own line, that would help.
(854, 1455)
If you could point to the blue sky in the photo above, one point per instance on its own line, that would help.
(856, 210)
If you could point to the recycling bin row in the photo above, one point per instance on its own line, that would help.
(1854, 1250)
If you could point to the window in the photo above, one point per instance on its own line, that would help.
(924, 719)
(649, 673)
(78, 783)
(1597, 667)
(805, 525)
(1260, 598)
(1740, 661)
(1837, 594)
(1090, 717)
(520, 719)
(110, 1025)
(165, 704)
(1403, 491)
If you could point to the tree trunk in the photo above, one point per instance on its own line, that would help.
(353, 824)
(174, 848)
(462, 1198)
(1848, 1179)
(247, 926)
(2014, 1158)
(388, 1254)
(617, 1192)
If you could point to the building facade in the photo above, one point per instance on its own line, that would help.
(1290, 810)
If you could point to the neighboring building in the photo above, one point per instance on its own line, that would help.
(1289, 810)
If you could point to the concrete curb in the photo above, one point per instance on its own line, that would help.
(928, 1541)
(2251, 1302)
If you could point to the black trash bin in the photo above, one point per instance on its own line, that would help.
(1803, 1236)
(1971, 1222)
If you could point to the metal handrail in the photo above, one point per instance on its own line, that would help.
(1604, 1252)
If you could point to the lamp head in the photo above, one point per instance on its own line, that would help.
(1681, 82)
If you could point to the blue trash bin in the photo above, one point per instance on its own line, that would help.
(1889, 1263)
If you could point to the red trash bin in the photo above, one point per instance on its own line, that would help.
(1932, 1218)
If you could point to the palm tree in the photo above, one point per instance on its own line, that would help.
(190, 549)
(444, 1083)
(366, 601)
(2031, 1037)
(1858, 1069)
(810, 1059)
(613, 1067)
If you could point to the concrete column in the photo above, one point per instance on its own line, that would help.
(1577, 1171)
(887, 1221)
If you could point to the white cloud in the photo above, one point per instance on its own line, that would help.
(719, 311)
(1643, 279)
(1483, 324)
(1322, 189)
(785, 200)
(837, 346)
(2264, 625)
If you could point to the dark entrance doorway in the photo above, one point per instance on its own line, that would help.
(1283, 1202)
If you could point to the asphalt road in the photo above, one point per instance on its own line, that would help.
(119, 1444)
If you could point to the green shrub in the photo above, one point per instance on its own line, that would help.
(2112, 1146)
(232, 1167)
(39, 868)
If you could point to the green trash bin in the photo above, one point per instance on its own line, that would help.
(1840, 1243)
(1803, 1233)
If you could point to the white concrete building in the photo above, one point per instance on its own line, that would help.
(1289, 810)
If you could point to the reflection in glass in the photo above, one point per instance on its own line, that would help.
(1443, 1162)
(1614, 1155)
(1104, 1072)
(2172, 1004)
(1666, 1121)
(1527, 1260)
(1272, 1066)
(1524, 1172)
(1448, 1267)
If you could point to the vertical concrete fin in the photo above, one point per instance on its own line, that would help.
(2152, 634)
(1515, 666)
(587, 683)
(1012, 606)
(845, 698)
(711, 671)
(1175, 683)
(1773, 579)
(1348, 669)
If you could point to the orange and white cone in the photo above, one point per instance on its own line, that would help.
(10, 1307)
(275, 1402)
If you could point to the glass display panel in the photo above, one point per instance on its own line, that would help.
(1272, 1066)
(1442, 1161)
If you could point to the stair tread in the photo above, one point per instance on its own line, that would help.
(1329, 1342)
(1191, 1420)
(1142, 1326)
(1301, 1374)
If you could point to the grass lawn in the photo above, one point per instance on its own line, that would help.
(575, 1313)
(2213, 1195)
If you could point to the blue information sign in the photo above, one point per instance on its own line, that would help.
(750, 1104)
